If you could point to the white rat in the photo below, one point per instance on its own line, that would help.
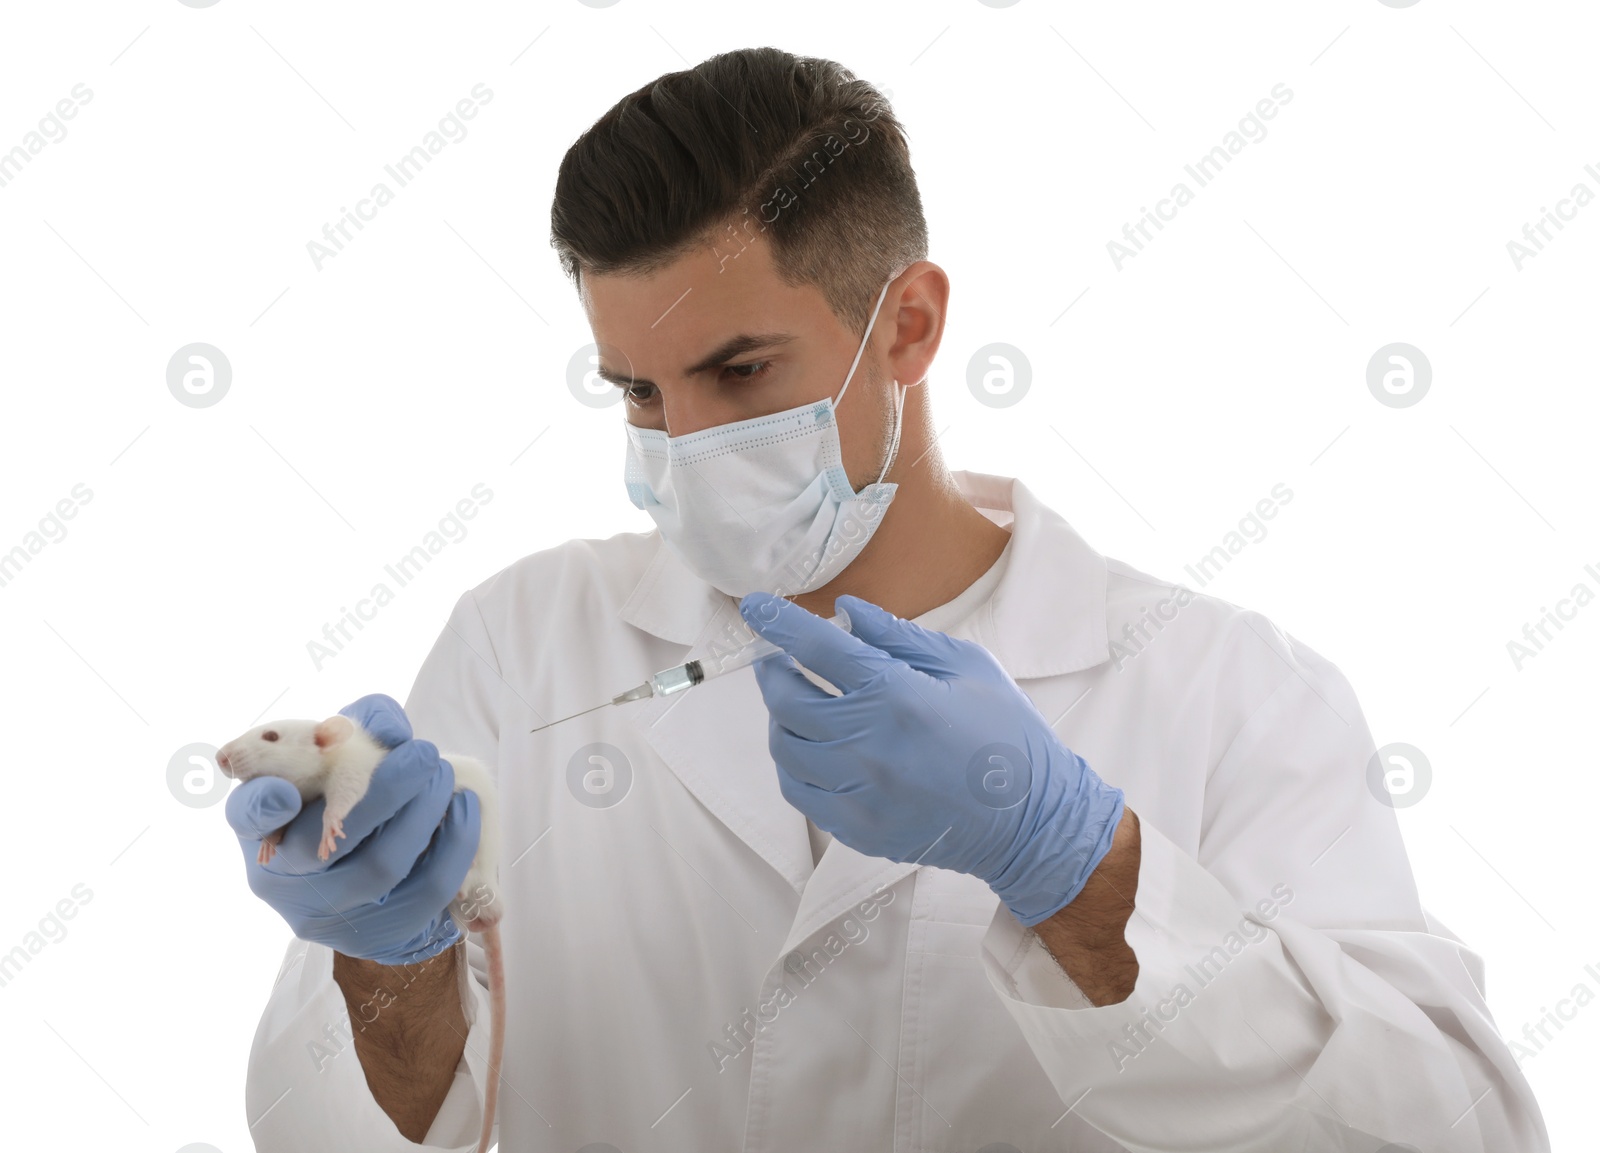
(334, 759)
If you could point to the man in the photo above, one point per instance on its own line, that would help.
(962, 883)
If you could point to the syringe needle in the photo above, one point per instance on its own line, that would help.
(685, 676)
(569, 717)
(634, 694)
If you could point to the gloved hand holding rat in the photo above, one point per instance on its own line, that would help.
(406, 845)
(421, 844)
(930, 754)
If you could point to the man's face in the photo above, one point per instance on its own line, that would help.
(668, 340)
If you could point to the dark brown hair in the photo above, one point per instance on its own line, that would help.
(746, 139)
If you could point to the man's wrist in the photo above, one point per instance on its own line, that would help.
(418, 985)
(409, 1031)
(1086, 936)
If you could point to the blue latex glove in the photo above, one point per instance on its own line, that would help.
(931, 754)
(383, 893)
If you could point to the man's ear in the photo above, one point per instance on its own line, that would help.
(333, 731)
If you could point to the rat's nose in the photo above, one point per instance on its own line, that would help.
(222, 763)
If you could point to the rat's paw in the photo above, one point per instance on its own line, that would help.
(331, 827)
(269, 846)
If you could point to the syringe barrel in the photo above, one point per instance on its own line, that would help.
(676, 679)
(716, 662)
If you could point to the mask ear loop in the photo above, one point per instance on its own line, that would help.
(871, 320)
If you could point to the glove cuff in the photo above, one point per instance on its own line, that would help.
(1067, 844)
(425, 945)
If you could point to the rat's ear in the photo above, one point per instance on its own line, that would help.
(333, 731)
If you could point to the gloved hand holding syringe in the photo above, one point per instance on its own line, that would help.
(685, 676)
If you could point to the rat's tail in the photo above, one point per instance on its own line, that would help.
(489, 938)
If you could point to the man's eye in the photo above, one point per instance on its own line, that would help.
(759, 368)
(645, 393)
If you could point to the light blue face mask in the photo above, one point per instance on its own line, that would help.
(762, 504)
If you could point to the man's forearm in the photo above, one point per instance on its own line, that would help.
(1086, 936)
(409, 1031)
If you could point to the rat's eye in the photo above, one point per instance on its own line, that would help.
(269, 735)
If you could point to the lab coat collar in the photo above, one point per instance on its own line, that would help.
(1047, 615)
(671, 600)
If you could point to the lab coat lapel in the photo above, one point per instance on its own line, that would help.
(1047, 617)
(714, 738)
(842, 879)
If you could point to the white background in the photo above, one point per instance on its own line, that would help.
(367, 398)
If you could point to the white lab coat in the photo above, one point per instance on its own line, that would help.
(646, 938)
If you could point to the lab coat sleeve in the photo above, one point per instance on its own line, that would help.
(1291, 993)
(306, 1090)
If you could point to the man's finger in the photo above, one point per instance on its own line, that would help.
(382, 717)
(797, 706)
(394, 852)
(438, 873)
(824, 648)
(260, 805)
(813, 800)
(932, 652)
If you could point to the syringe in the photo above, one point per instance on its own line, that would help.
(685, 676)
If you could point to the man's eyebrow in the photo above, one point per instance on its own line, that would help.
(728, 350)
